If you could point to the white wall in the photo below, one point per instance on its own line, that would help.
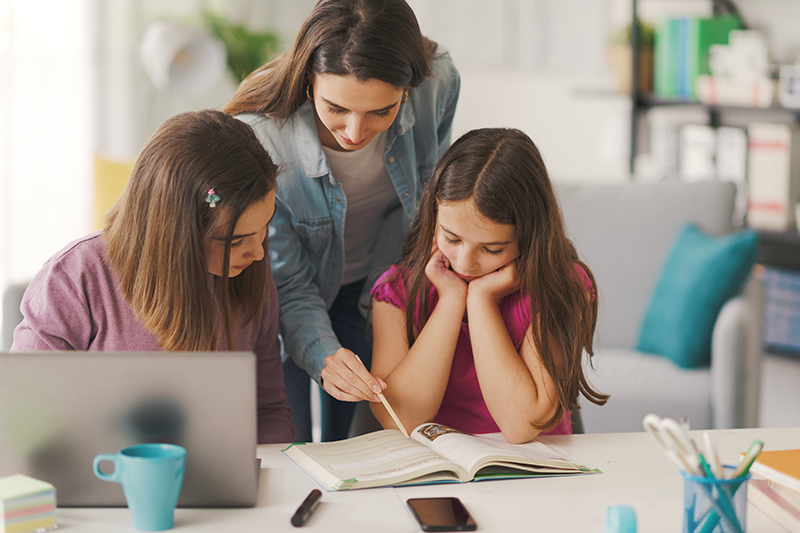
(536, 66)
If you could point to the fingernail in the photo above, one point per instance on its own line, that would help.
(375, 398)
(376, 388)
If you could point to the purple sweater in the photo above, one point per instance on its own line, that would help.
(75, 303)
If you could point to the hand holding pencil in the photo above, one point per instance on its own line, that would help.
(388, 407)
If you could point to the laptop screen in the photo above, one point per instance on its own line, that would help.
(60, 409)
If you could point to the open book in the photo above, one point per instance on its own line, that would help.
(433, 454)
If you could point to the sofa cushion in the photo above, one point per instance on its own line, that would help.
(699, 275)
(623, 232)
(639, 385)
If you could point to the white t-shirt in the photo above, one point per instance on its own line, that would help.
(369, 191)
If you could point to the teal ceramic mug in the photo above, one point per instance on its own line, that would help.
(151, 476)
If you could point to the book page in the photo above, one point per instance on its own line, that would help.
(381, 458)
(474, 451)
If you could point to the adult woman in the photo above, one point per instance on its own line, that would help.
(179, 265)
(357, 112)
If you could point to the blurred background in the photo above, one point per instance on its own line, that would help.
(80, 91)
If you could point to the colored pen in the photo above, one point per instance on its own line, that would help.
(748, 459)
(712, 456)
(306, 508)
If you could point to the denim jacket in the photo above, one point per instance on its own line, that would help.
(306, 235)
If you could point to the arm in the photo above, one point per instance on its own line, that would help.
(55, 314)
(304, 322)
(274, 419)
(515, 385)
(416, 379)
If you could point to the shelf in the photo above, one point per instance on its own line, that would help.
(779, 249)
(779, 237)
(652, 100)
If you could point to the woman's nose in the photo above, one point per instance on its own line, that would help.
(355, 129)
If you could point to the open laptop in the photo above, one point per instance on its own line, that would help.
(60, 409)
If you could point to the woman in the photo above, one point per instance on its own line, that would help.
(357, 112)
(180, 264)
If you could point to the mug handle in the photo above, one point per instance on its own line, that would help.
(114, 476)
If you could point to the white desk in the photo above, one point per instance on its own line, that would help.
(635, 472)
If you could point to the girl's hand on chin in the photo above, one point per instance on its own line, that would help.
(445, 280)
(498, 284)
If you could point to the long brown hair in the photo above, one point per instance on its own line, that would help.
(368, 39)
(157, 230)
(502, 172)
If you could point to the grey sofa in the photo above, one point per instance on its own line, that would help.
(12, 316)
(624, 233)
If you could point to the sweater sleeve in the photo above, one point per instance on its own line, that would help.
(274, 420)
(55, 313)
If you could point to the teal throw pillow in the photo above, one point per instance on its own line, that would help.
(700, 274)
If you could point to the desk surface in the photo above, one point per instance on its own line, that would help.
(635, 472)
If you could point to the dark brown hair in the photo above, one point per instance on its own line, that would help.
(368, 39)
(157, 230)
(502, 172)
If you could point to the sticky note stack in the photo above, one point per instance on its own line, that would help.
(26, 504)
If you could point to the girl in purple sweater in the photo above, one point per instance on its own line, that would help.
(483, 324)
(181, 263)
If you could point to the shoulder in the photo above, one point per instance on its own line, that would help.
(444, 69)
(390, 287)
(444, 83)
(292, 144)
(87, 255)
(79, 270)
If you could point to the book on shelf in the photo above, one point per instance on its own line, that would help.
(432, 454)
(773, 168)
(681, 52)
(772, 502)
(721, 90)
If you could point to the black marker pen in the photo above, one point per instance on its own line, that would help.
(303, 512)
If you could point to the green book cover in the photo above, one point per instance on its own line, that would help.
(666, 58)
(704, 33)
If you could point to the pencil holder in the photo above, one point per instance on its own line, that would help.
(715, 505)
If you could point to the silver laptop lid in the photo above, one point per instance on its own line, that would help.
(60, 409)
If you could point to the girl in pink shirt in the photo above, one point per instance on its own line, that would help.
(501, 307)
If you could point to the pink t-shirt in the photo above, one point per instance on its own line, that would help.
(463, 406)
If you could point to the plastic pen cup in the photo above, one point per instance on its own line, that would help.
(718, 505)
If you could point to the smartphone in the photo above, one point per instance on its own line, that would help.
(441, 514)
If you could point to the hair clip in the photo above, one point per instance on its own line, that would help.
(212, 198)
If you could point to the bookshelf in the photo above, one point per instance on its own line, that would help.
(642, 102)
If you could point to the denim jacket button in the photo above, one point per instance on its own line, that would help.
(391, 160)
(338, 199)
(335, 264)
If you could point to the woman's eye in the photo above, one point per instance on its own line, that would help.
(335, 110)
(451, 241)
(383, 113)
(237, 244)
(493, 252)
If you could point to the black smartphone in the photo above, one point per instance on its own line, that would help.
(441, 514)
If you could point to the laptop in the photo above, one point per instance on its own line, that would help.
(60, 409)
